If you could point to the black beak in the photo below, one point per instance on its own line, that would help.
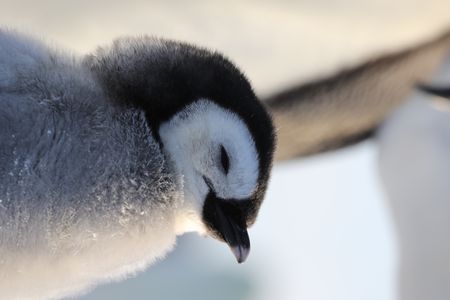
(227, 223)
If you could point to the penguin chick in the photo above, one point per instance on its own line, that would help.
(105, 159)
(208, 122)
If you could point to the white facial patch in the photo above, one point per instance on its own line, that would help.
(193, 139)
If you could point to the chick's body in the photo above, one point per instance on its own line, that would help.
(85, 192)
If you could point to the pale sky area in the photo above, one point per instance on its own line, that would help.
(324, 231)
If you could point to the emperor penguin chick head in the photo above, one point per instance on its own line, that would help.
(210, 125)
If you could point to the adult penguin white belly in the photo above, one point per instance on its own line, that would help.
(414, 148)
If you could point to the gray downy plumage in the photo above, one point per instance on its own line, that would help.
(78, 204)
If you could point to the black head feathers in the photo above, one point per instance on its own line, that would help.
(163, 76)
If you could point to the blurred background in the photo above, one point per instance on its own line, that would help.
(324, 231)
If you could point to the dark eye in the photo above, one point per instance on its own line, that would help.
(224, 159)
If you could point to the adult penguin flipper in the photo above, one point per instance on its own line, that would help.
(443, 92)
(346, 108)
